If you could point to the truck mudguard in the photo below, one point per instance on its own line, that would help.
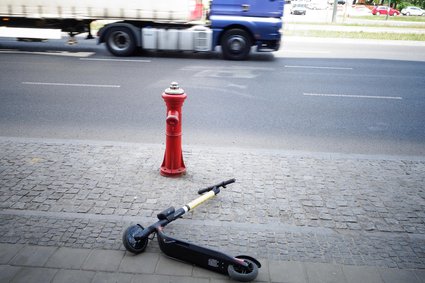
(261, 29)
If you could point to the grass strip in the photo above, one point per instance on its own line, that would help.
(360, 35)
(369, 24)
(392, 19)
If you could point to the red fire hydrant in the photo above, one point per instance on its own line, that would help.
(173, 164)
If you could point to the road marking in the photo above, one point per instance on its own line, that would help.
(308, 51)
(51, 53)
(236, 86)
(235, 72)
(353, 96)
(34, 33)
(115, 60)
(317, 67)
(223, 73)
(66, 84)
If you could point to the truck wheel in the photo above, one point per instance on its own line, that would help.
(236, 44)
(120, 41)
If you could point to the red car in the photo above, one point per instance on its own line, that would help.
(383, 10)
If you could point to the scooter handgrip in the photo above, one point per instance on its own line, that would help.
(227, 182)
(222, 184)
(201, 191)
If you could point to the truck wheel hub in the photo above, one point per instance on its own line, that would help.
(236, 44)
(121, 39)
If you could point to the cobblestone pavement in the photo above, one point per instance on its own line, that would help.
(285, 206)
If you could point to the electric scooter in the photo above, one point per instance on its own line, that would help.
(136, 238)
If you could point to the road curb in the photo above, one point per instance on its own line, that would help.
(351, 41)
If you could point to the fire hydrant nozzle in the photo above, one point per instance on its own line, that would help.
(172, 118)
(174, 89)
(173, 164)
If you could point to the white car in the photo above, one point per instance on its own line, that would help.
(317, 5)
(298, 9)
(413, 11)
(359, 11)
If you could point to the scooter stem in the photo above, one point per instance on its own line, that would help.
(203, 198)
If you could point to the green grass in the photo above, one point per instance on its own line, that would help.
(399, 18)
(360, 35)
(369, 24)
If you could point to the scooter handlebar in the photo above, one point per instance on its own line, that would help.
(222, 184)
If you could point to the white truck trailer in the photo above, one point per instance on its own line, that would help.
(146, 10)
(75, 16)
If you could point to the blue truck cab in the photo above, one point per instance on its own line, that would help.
(240, 24)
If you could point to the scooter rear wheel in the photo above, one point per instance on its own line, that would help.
(238, 274)
(131, 244)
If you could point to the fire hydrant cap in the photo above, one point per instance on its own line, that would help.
(174, 89)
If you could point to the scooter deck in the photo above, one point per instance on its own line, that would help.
(200, 256)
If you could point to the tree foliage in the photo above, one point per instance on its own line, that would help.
(418, 3)
(400, 4)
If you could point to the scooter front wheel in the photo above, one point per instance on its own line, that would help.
(130, 243)
(239, 274)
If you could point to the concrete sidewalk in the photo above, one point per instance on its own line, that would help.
(309, 217)
(27, 263)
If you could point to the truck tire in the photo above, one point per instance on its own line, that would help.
(120, 41)
(236, 44)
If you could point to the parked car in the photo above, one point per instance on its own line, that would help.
(339, 2)
(383, 10)
(317, 5)
(359, 11)
(413, 11)
(298, 9)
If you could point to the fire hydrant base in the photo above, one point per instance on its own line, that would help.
(172, 172)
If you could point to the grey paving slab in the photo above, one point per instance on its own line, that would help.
(8, 251)
(263, 274)
(228, 280)
(7, 272)
(154, 278)
(107, 277)
(103, 260)
(263, 271)
(393, 275)
(142, 263)
(225, 280)
(204, 273)
(73, 276)
(33, 256)
(320, 272)
(70, 258)
(34, 275)
(421, 275)
(168, 266)
(355, 274)
(288, 272)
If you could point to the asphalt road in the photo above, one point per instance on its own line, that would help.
(313, 95)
